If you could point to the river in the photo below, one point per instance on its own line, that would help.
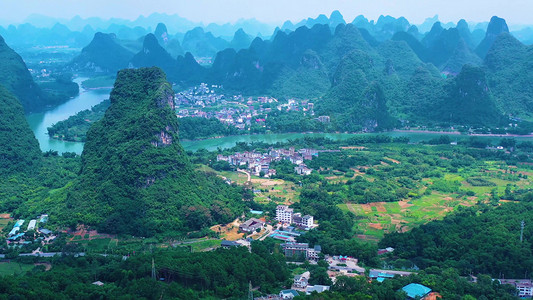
(39, 122)
(228, 142)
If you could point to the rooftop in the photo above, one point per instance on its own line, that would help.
(414, 290)
(293, 292)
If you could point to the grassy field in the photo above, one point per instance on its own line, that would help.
(266, 189)
(270, 189)
(99, 245)
(14, 268)
(373, 220)
(237, 177)
(4, 220)
(203, 245)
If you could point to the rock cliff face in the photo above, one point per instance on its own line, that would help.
(135, 177)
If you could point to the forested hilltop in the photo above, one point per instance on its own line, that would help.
(135, 176)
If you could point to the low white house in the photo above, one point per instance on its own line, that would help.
(316, 288)
(31, 225)
(301, 281)
(288, 294)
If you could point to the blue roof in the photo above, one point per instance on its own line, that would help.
(295, 293)
(256, 212)
(229, 243)
(381, 279)
(414, 290)
(45, 231)
(16, 236)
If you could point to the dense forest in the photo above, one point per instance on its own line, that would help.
(19, 150)
(219, 274)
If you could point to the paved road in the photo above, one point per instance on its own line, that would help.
(268, 231)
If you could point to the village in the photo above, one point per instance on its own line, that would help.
(209, 101)
(32, 237)
(258, 163)
(288, 225)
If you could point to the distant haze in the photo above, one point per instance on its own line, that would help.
(272, 11)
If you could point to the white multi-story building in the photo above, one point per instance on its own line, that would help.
(524, 287)
(305, 222)
(284, 214)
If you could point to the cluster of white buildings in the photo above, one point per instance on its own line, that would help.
(524, 287)
(301, 250)
(16, 233)
(260, 162)
(286, 215)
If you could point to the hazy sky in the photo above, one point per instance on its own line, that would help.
(273, 11)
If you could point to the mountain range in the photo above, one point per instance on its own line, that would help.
(332, 64)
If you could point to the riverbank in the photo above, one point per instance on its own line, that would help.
(465, 134)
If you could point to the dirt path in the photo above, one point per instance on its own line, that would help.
(247, 174)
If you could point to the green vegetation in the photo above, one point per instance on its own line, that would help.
(75, 127)
(136, 177)
(99, 82)
(179, 274)
(19, 150)
(14, 76)
(14, 268)
(201, 128)
(446, 282)
(59, 88)
(481, 239)
(103, 54)
(27, 196)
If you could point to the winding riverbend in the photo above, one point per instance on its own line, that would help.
(39, 122)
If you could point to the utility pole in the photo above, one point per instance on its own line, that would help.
(250, 292)
(522, 224)
(153, 269)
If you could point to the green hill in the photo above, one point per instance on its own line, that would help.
(135, 177)
(509, 65)
(496, 27)
(469, 100)
(202, 44)
(241, 40)
(19, 150)
(14, 76)
(103, 54)
(154, 55)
